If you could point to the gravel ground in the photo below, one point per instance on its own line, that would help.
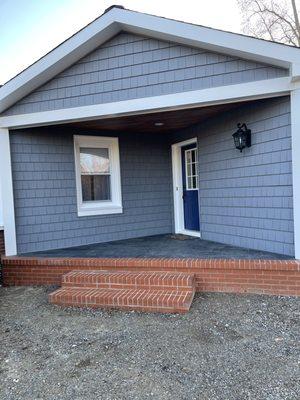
(227, 347)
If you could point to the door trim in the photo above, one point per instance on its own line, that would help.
(178, 189)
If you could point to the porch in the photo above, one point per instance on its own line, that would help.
(244, 200)
(215, 267)
(161, 246)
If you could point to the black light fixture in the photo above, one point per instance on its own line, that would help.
(242, 137)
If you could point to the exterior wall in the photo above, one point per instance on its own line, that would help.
(45, 193)
(246, 199)
(2, 245)
(130, 66)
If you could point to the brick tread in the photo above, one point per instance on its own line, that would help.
(126, 280)
(130, 299)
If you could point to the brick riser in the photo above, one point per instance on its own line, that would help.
(140, 291)
(129, 280)
(124, 299)
(237, 276)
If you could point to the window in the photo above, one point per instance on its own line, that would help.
(97, 175)
(191, 162)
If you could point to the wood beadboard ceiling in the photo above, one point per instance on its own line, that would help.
(172, 120)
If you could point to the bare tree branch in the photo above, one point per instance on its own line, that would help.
(276, 20)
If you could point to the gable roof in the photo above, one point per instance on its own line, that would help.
(117, 19)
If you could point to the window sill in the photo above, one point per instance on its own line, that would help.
(88, 211)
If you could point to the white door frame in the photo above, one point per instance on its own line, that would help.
(178, 188)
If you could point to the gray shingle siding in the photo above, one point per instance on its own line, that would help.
(247, 199)
(130, 66)
(45, 191)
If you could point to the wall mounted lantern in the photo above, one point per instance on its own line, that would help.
(242, 137)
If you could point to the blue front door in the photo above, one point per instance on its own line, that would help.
(190, 182)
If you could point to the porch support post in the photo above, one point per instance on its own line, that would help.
(7, 194)
(295, 127)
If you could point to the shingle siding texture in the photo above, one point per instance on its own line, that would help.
(130, 66)
(246, 199)
(45, 191)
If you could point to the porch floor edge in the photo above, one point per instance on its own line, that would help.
(278, 277)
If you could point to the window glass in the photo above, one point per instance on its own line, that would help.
(191, 160)
(94, 161)
(95, 174)
(95, 187)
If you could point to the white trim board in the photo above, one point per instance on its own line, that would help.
(295, 130)
(1, 203)
(116, 20)
(209, 38)
(195, 98)
(7, 195)
(178, 189)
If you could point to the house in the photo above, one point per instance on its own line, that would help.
(125, 131)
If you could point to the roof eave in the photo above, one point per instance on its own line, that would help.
(115, 20)
(58, 60)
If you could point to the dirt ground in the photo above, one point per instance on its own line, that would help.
(227, 347)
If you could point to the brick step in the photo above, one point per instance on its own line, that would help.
(130, 280)
(126, 299)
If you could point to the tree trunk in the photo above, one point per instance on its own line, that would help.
(295, 11)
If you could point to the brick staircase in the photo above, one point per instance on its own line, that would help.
(166, 292)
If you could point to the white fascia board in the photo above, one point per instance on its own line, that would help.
(209, 38)
(197, 98)
(63, 56)
(112, 22)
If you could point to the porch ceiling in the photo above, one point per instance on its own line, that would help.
(171, 120)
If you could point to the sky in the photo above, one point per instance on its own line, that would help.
(31, 28)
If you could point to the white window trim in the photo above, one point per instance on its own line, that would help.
(99, 207)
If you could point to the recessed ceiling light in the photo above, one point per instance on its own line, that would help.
(159, 124)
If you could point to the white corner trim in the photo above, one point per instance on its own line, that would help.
(7, 195)
(295, 128)
(101, 207)
(178, 189)
(1, 203)
(295, 71)
(195, 98)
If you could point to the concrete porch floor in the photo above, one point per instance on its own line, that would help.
(171, 246)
